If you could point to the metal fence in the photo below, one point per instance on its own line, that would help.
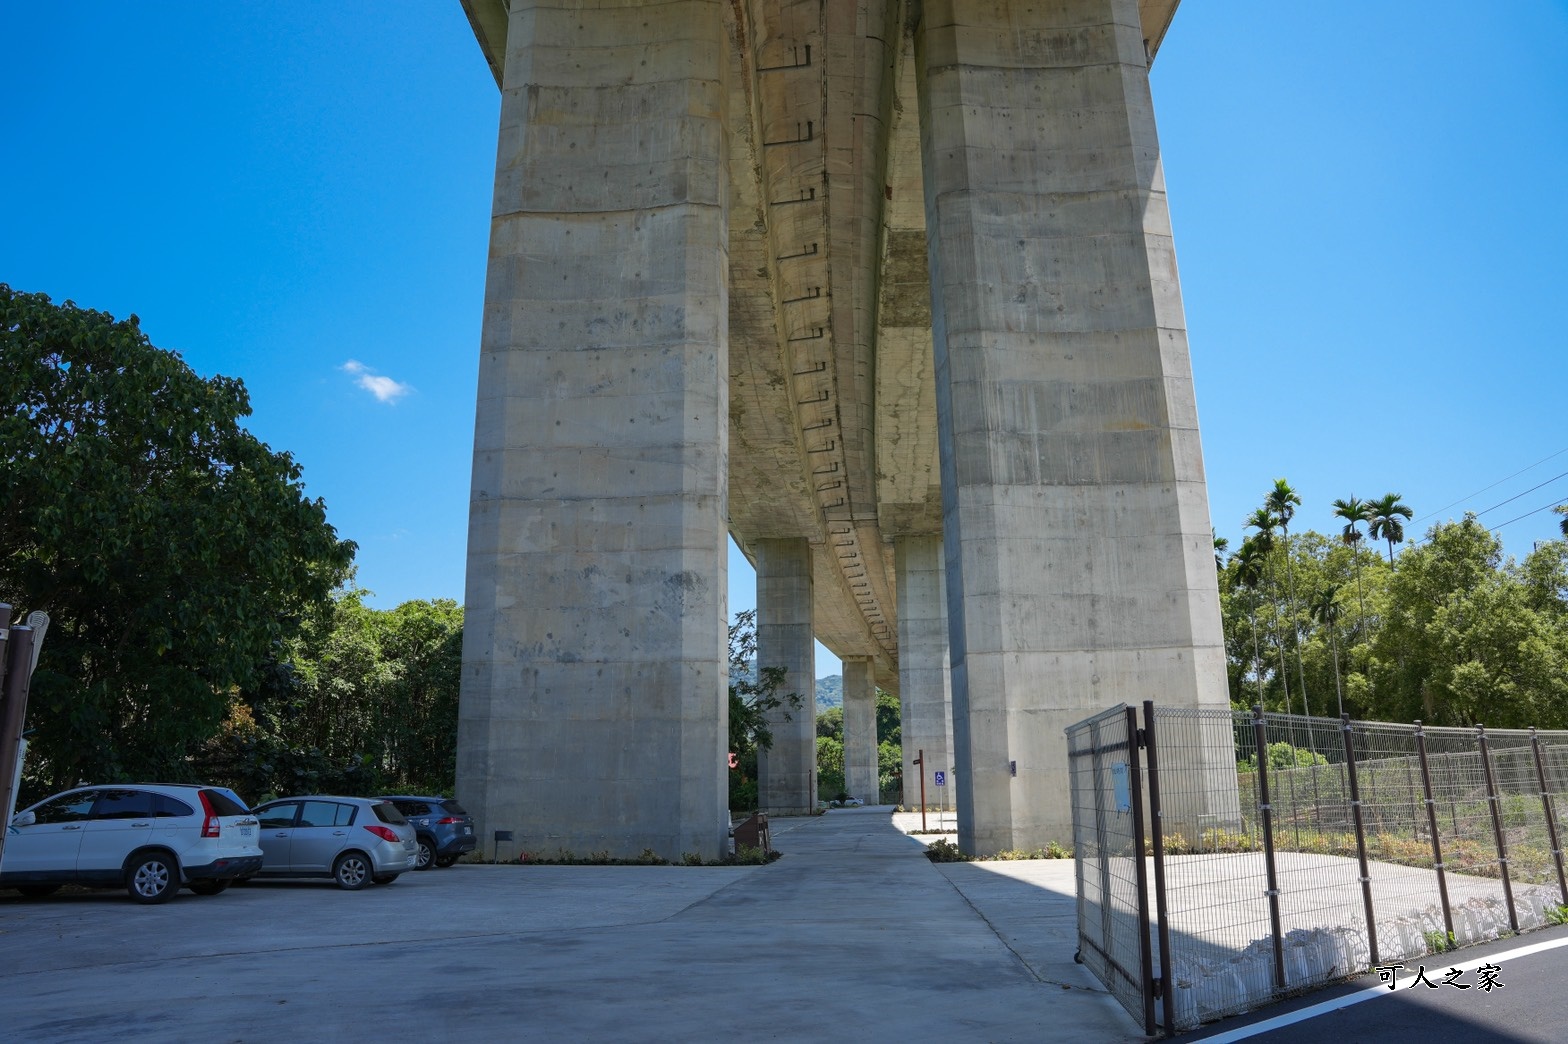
(1344, 846)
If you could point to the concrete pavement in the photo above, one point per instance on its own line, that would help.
(852, 935)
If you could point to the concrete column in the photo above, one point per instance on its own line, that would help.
(925, 699)
(1075, 519)
(860, 729)
(787, 773)
(594, 711)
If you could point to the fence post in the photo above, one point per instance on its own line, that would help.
(1101, 844)
(1260, 741)
(1497, 825)
(1546, 804)
(1431, 822)
(1157, 834)
(1140, 870)
(1361, 835)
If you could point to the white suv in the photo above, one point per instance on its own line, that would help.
(149, 837)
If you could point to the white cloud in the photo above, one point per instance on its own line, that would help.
(385, 389)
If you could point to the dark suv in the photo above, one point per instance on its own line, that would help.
(443, 827)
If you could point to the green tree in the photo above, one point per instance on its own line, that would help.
(1562, 509)
(1281, 501)
(1384, 514)
(365, 701)
(1263, 542)
(1354, 511)
(1326, 611)
(1248, 576)
(173, 550)
(755, 696)
(1469, 639)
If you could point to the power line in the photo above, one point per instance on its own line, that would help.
(1494, 485)
(1516, 496)
(1527, 514)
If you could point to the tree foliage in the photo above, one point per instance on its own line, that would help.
(173, 551)
(755, 703)
(1449, 631)
(365, 702)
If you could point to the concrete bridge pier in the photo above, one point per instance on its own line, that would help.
(594, 715)
(860, 729)
(787, 773)
(925, 699)
(1078, 548)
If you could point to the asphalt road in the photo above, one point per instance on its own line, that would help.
(1528, 1001)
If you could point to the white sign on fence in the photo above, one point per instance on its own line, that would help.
(1119, 781)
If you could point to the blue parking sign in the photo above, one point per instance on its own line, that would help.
(941, 778)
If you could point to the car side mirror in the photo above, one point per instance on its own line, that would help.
(24, 819)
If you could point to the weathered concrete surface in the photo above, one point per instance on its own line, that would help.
(860, 730)
(852, 935)
(1075, 519)
(787, 771)
(925, 700)
(594, 711)
(805, 202)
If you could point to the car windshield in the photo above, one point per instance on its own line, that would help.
(453, 808)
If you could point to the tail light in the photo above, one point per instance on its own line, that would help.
(384, 833)
(210, 827)
(447, 821)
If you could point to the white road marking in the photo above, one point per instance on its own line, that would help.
(1371, 992)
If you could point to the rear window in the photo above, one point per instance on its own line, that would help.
(454, 808)
(172, 808)
(387, 812)
(223, 805)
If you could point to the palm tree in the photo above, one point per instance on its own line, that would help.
(1220, 546)
(1384, 515)
(1354, 511)
(1263, 544)
(1326, 610)
(1282, 502)
(1249, 574)
(1562, 509)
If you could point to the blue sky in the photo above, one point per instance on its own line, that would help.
(1367, 199)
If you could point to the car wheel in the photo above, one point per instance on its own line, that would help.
(352, 871)
(383, 879)
(208, 886)
(152, 877)
(445, 861)
(426, 857)
(38, 891)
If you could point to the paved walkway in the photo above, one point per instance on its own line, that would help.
(853, 935)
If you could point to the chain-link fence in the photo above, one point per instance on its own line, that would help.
(1288, 851)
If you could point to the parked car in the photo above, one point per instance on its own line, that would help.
(444, 828)
(354, 841)
(148, 837)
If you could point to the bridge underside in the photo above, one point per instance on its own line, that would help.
(885, 290)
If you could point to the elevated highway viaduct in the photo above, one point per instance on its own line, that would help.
(885, 290)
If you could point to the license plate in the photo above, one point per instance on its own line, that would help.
(468, 830)
(244, 831)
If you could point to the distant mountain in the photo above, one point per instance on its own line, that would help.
(830, 692)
